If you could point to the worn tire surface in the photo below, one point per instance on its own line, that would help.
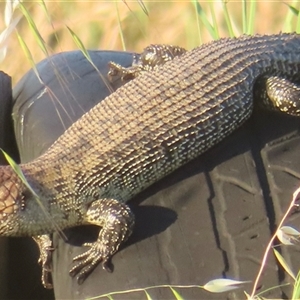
(211, 218)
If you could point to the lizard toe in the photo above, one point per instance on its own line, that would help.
(88, 261)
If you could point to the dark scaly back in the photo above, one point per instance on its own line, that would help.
(163, 119)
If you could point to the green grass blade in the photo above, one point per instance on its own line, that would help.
(212, 31)
(292, 12)
(43, 5)
(296, 290)
(19, 172)
(251, 20)
(86, 54)
(16, 168)
(272, 288)
(194, 2)
(34, 30)
(244, 16)
(79, 44)
(143, 6)
(29, 57)
(49, 18)
(298, 23)
(227, 19)
(120, 27)
(284, 264)
(214, 19)
(176, 294)
(148, 296)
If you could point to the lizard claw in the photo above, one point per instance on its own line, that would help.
(117, 222)
(89, 260)
(45, 261)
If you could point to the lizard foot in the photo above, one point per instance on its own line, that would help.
(150, 59)
(45, 245)
(89, 260)
(117, 222)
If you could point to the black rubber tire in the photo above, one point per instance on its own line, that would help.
(7, 137)
(39, 118)
(7, 143)
(212, 218)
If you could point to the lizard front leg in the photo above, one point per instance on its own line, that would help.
(44, 243)
(117, 222)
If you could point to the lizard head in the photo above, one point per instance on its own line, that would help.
(11, 200)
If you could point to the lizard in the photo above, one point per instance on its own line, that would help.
(143, 131)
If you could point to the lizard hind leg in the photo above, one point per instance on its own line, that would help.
(280, 94)
(117, 222)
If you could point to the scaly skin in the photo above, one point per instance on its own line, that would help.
(142, 132)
